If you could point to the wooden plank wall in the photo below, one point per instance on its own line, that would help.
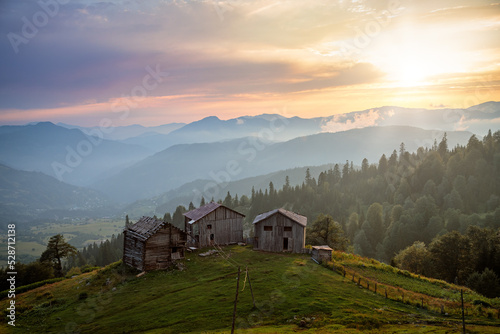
(227, 227)
(132, 252)
(322, 255)
(159, 248)
(156, 252)
(272, 241)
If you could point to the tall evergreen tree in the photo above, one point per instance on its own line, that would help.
(57, 249)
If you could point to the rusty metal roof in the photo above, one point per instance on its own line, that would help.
(146, 227)
(202, 211)
(302, 220)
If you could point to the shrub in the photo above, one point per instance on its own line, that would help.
(486, 283)
(87, 268)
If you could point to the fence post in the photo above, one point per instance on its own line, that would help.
(463, 315)
(236, 301)
(251, 290)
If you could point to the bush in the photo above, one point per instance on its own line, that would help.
(73, 272)
(87, 268)
(83, 296)
(486, 283)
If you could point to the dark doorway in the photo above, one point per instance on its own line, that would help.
(285, 243)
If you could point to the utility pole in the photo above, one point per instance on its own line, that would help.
(236, 300)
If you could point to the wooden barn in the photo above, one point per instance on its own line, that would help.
(280, 231)
(322, 254)
(152, 244)
(213, 224)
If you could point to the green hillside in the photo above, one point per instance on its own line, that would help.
(292, 293)
(25, 196)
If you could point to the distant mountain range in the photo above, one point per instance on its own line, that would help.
(66, 154)
(134, 162)
(28, 195)
(240, 158)
(192, 191)
(477, 119)
(124, 132)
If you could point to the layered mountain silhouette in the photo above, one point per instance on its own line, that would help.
(134, 162)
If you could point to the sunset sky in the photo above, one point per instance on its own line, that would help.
(154, 62)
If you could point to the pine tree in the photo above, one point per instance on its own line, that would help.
(382, 165)
(443, 147)
(228, 201)
(178, 218)
(57, 249)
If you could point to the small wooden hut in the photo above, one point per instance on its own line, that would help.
(213, 224)
(322, 254)
(280, 231)
(152, 244)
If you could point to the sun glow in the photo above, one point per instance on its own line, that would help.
(412, 57)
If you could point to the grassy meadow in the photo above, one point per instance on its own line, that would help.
(292, 293)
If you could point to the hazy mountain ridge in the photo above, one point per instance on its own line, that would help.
(213, 129)
(247, 157)
(129, 131)
(67, 154)
(477, 119)
(190, 192)
(241, 148)
(27, 195)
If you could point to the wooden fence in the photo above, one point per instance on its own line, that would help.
(433, 304)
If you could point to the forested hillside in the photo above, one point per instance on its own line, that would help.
(387, 206)
(406, 197)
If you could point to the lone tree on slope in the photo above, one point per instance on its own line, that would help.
(57, 248)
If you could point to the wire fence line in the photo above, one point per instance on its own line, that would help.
(421, 300)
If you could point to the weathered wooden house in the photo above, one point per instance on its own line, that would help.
(322, 254)
(152, 244)
(213, 224)
(280, 231)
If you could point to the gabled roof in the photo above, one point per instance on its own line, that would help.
(202, 211)
(302, 220)
(147, 227)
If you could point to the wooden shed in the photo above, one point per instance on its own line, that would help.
(322, 254)
(280, 231)
(152, 244)
(213, 224)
